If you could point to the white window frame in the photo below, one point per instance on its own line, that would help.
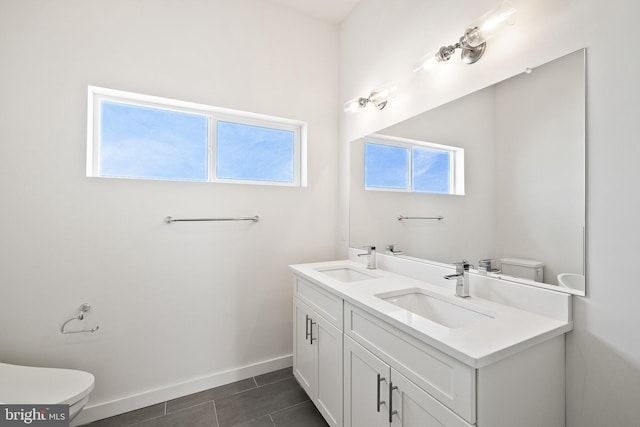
(456, 165)
(214, 114)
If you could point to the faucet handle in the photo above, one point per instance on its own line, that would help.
(462, 266)
(370, 250)
(391, 249)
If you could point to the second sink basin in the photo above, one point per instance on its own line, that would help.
(433, 308)
(571, 281)
(347, 274)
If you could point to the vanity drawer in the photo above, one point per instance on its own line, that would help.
(324, 303)
(448, 380)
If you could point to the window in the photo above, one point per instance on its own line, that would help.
(386, 166)
(399, 164)
(255, 153)
(138, 136)
(143, 142)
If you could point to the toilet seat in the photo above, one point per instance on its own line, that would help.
(34, 385)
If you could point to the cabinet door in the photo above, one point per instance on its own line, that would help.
(328, 370)
(366, 387)
(414, 407)
(303, 348)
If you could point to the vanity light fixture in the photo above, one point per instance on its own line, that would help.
(378, 97)
(474, 41)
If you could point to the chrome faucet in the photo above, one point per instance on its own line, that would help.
(390, 249)
(371, 257)
(462, 278)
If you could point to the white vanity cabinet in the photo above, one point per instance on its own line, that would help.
(378, 395)
(363, 367)
(398, 357)
(429, 387)
(317, 356)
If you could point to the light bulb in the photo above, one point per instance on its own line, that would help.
(354, 105)
(379, 97)
(427, 62)
(490, 24)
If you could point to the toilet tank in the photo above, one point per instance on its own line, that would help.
(525, 268)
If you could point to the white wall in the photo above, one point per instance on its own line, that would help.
(603, 353)
(179, 302)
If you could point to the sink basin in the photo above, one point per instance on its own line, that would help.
(347, 274)
(433, 308)
(571, 281)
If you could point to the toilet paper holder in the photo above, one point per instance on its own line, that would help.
(83, 309)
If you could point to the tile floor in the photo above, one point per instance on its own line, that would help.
(271, 400)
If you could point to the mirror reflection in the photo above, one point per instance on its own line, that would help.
(521, 211)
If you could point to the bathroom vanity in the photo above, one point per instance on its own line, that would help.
(394, 346)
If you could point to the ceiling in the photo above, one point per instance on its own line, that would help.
(329, 10)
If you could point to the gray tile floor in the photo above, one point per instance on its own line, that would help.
(271, 400)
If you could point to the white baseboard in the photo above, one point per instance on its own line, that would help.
(102, 410)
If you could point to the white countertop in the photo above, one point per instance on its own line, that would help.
(510, 329)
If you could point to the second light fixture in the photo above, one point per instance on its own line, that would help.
(378, 98)
(474, 40)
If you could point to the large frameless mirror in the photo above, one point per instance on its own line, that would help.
(514, 205)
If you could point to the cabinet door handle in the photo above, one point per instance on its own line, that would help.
(312, 339)
(380, 379)
(306, 325)
(391, 411)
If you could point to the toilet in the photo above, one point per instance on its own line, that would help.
(524, 268)
(48, 386)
